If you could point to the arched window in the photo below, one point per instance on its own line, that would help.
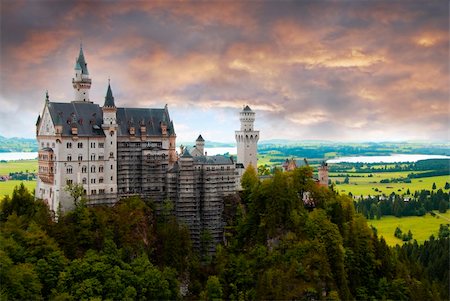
(69, 157)
(92, 168)
(80, 157)
(80, 144)
(100, 168)
(69, 145)
(84, 169)
(84, 181)
(69, 169)
(100, 180)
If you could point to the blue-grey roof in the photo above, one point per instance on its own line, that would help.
(186, 153)
(87, 116)
(200, 138)
(151, 118)
(109, 99)
(211, 160)
(247, 108)
(82, 62)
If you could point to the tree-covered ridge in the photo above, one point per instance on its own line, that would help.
(276, 248)
(17, 145)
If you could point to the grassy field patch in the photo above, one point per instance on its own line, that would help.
(422, 227)
(6, 188)
(17, 166)
(366, 186)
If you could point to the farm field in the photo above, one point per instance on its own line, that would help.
(17, 166)
(6, 188)
(422, 227)
(366, 186)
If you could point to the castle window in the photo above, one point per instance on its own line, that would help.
(101, 145)
(84, 169)
(69, 169)
(112, 167)
(92, 168)
(92, 181)
(69, 182)
(93, 191)
(112, 190)
(111, 155)
(69, 157)
(92, 157)
(92, 144)
(112, 178)
(100, 180)
(101, 157)
(84, 181)
(100, 168)
(80, 158)
(101, 191)
(80, 144)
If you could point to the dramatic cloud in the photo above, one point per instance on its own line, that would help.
(337, 70)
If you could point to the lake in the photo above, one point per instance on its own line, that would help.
(18, 156)
(33, 155)
(386, 159)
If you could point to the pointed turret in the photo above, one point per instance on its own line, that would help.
(81, 61)
(81, 82)
(109, 98)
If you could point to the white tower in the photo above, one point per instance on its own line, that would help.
(110, 126)
(247, 139)
(81, 82)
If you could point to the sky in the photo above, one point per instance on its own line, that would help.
(311, 70)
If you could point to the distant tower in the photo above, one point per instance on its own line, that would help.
(81, 82)
(247, 139)
(200, 144)
(323, 174)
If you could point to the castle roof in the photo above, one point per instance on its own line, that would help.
(186, 153)
(151, 118)
(109, 99)
(82, 62)
(87, 116)
(200, 138)
(247, 108)
(212, 160)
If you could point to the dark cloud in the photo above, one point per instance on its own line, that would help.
(324, 70)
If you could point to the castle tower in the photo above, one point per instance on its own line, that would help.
(81, 83)
(200, 144)
(109, 126)
(323, 174)
(247, 139)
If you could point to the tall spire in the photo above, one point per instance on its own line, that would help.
(109, 98)
(81, 61)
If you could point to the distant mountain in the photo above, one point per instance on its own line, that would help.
(17, 144)
(209, 144)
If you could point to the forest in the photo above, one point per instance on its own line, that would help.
(275, 247)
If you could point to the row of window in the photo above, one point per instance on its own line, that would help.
(48, 144)
(80, 145)
(69, 169)
(93, 157)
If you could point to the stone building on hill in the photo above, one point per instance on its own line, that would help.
(115, 152)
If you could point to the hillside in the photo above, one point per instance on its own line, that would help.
(277, 247)
(17, 145)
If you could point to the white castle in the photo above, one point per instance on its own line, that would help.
(115, 152)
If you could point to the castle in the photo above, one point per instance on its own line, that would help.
(115, 152)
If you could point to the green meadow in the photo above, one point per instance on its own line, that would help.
(422, 227)
(18, 166)
(6, 188)
(367, 185)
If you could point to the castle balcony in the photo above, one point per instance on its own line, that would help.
(46, 165)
